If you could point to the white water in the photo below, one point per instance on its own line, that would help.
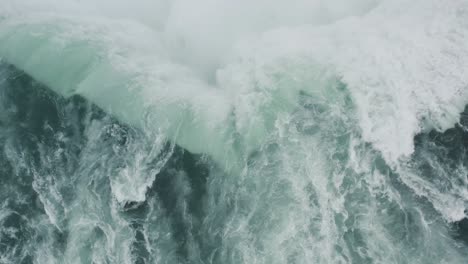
(294, 101)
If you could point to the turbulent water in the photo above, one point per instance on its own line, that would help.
(217, 131)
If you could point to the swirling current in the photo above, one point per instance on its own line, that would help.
(176, 131)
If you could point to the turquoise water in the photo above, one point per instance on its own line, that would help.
(233, 132)
(60, 157)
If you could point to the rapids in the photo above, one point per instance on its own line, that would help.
(176, 131)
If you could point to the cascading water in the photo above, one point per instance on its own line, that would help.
(176, 131)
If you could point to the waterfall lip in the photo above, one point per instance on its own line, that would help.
(134, 59)
(125, 67)
(305, 132)
(137, 83)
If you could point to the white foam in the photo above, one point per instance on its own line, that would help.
(224, 78)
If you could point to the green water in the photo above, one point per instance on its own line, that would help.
(60, 157)
(220, 132)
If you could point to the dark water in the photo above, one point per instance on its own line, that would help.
(31, 120)
(43, 139)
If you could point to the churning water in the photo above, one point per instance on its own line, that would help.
(217, 131)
